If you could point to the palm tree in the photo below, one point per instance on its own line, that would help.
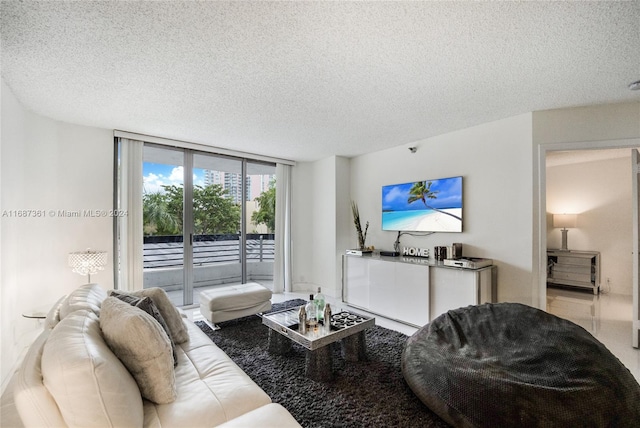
(157, 218)
(421, 190)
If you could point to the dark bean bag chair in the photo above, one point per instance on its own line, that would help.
(511, 365)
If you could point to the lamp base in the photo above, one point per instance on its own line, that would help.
(564, 240)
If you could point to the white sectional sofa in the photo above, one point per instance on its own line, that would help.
(72, 377)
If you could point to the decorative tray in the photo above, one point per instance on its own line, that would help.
(344, 319)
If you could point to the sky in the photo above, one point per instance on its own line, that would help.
(394, 197)
(155, 175)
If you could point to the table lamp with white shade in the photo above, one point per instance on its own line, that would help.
(88, 262)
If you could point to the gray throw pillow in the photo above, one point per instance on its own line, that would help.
(169, 312)
(147, 305)
(144, 348)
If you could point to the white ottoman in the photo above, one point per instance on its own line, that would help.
(234, 301)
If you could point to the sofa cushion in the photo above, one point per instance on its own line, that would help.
(169, 312)
(277, 416)
(234, 297)
(147, 305)
(88, 296)
(212, 389)
(90, 385)
(143, 346)
(53, 316)
(34, 402)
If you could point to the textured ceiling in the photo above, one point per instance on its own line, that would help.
(306, 80)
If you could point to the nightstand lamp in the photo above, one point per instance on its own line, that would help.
(565, 221)
(88, 262)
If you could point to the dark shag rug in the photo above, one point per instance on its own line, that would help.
(370, 393)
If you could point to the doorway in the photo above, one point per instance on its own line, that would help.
(587, 151)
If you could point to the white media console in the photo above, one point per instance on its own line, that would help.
(412, 290)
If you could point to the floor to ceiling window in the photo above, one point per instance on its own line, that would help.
(207, 220)
(260, 218)
(163, 220)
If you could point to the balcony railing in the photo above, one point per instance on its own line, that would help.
(167, 251)
(216, 260)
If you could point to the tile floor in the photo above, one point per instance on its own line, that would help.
(606, 316)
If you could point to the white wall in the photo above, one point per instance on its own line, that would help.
(589, 123)
(47, 165)
(600, 193)
(319, 195)
(495, 161)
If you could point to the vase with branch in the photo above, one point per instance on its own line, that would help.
(362, 237)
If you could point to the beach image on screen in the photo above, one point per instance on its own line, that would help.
(423, 206)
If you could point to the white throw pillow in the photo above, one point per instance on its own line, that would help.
(142, 345)
(90, 385)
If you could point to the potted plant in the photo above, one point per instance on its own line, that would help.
(362, 237)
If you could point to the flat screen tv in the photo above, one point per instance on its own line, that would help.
(423, 206)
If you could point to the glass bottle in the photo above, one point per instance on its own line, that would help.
(312, 313)
(320, 302)
(327, 318)
(302, 320)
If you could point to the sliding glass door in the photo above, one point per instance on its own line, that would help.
(208, 221)
(163, 220)
(260, 221)
(217, 203)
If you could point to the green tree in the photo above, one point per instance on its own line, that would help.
(156, 216)
(214, 211)
(266, 212)
(174, 196)
(421, 190)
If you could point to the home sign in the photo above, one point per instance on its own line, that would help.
(415, 252)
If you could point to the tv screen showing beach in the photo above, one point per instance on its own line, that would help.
(423, 206)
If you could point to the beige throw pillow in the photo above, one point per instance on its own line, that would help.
(142, 345)
(147, 305)
(169, 312)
